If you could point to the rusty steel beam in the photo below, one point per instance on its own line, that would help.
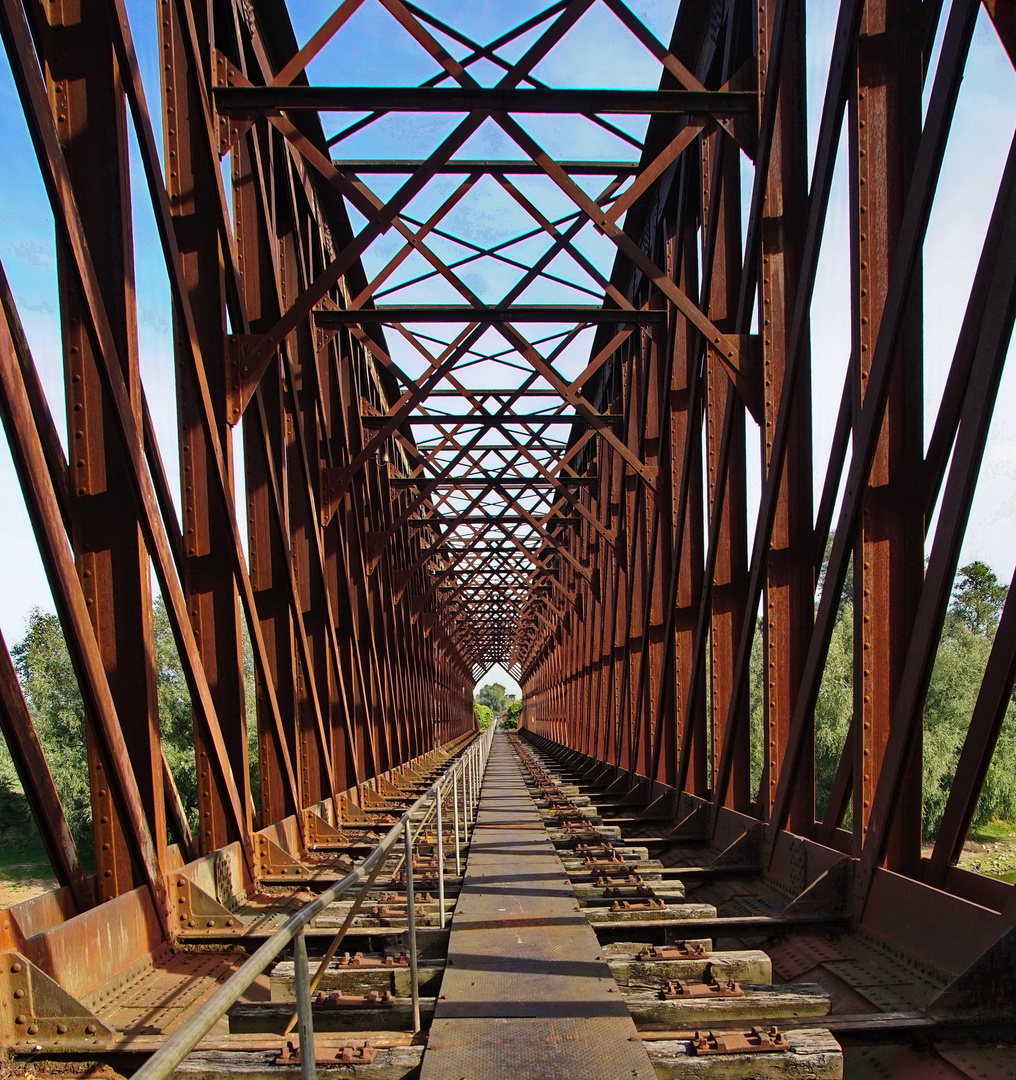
(246, 100)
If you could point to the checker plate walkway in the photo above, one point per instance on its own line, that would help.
(526, 992)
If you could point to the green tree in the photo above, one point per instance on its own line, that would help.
(955, 682)
(833, 709)
(978, 598)
(495, 697)
(50, 686)
(47, 678)
(484, 716)
(835, 705)
(952, 692)
(512, 715)
(175, 717)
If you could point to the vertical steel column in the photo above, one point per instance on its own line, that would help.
(208, 580)
(721, 181)
(87, 97)
(789, 585)
(262, 433)
(885, 126)
(685, 433)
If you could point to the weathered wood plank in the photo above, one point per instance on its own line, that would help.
(813, 1055)
(758, 1003)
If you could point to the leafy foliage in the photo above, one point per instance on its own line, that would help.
(484, 716)
(956, 678)
(512, 715)
(495, 697)
(978, 598)
(50, 686)
(833, 709)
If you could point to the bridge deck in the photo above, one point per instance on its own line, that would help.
(526, 992)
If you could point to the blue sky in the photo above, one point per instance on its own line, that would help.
(373, 49)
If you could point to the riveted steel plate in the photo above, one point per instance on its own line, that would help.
(755, 905)
(889, 987)
(794, 957)
(159, 998)
(980, 1062)
(896, 1063)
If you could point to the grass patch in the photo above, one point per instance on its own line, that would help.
(993, 830)
(26, 858)
(25, 868)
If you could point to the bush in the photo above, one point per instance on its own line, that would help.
(484, 716)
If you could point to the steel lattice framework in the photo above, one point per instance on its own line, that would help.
(465, 442)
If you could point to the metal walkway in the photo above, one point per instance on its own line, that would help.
(526, 992)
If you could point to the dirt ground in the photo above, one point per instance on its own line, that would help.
(996, 858)
(21, 882)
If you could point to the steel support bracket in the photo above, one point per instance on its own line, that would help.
(370, 798)
(986, 988)
(37, 1013)
(693, 826)
(745, 851)
(351, 813)
(196, 910)
(319, 831)
(241, 383)
(829, 893)
(375, 544)
(386, 787)
(334, 482)
(273, 861)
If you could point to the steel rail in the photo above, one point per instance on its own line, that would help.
(164, 1062)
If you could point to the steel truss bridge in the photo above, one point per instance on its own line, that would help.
(498, 366)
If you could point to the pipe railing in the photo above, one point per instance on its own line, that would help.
(464, 775)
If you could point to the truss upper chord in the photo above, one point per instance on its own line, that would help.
(464, 313)
(238, 100)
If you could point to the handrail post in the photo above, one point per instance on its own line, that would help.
(476, 779)
(414, 969)
(305, 1021)
(440, 862)
(455, 816)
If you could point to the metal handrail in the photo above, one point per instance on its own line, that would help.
(173, 1051)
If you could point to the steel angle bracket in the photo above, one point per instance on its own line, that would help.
(351, 814)
(195, 910)
(241, 381)
(273, 861)
(231, 128)
(319, 831)
(37, 1013)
